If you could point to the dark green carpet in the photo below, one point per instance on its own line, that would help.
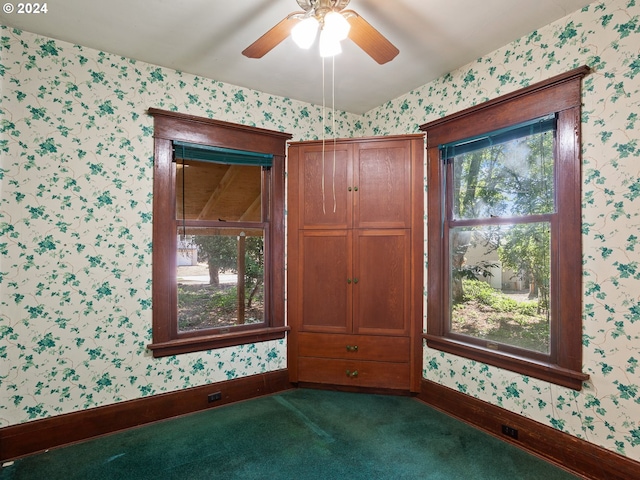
(299, 434)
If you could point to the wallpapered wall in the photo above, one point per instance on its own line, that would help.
(605, 36)
(75, 217)
(76, 226)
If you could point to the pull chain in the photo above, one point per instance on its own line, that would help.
(333, 127)
(324, 114)
(333, 132)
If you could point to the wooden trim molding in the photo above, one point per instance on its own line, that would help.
(573, 454)
(39, 435)
(560, 96)
(523, 93)
(176, 347)
(168, 339)
(207, 131)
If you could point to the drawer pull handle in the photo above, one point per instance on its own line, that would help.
(351, 374)
(352, 348)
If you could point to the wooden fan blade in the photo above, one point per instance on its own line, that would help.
(272, 38)
(369, 39)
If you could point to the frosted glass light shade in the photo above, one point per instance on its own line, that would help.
(304, 33)
(337, 26)
(329, 46)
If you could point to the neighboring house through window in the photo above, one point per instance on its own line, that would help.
(504, 232)
(218, 234)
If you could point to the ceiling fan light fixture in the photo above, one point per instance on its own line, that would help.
(304, 33)
(329, 45)
(336, 25)
(332, 19)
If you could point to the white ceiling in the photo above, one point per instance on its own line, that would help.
(206, 38)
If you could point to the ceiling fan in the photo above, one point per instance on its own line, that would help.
(326, 16)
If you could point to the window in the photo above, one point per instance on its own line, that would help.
(218, 234)
(504, 232)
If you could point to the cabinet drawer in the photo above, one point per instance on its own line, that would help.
(354, 373)
(354, 347)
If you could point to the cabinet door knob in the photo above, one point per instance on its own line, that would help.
(349, 281)
(355, 280)
(351, 374)
(352, 348)
(348, 189)
(355, 189)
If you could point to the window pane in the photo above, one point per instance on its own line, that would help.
(499, 284)
(215, 290)
(508, 179)
(216, 191)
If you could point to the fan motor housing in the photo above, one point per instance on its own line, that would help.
(321, 7)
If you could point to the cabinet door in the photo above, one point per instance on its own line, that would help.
(382, 175)
(381, 295)
(324, 178)
(325, 279)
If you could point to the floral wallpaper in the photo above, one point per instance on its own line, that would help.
(76, 157)
(76, 170)
(605, 36)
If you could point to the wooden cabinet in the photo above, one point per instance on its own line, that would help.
(352, 185)
(355, 261)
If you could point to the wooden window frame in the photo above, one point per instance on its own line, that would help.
(560, 95)
(173, 126)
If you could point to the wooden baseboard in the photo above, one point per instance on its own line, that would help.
(566, 451)
(39, 435)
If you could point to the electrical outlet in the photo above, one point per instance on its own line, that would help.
(213, 397)
(510, 432)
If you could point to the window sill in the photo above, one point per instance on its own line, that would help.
(209, 342)
(533, 368)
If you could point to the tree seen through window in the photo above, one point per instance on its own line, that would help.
(508, 180)
(504, 231)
